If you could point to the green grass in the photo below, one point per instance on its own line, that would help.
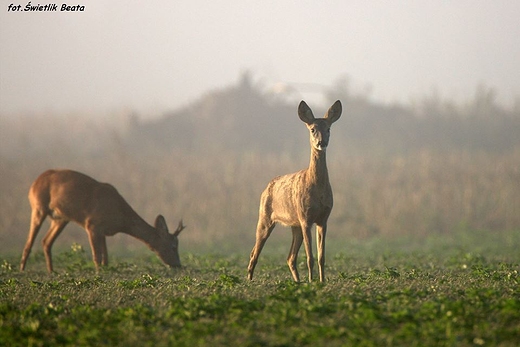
(455, 292)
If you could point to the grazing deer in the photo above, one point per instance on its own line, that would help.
(66, 196)
(301, 199)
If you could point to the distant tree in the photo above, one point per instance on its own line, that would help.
(244, 117)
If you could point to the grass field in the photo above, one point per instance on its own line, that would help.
(423, 243)
(460, 290)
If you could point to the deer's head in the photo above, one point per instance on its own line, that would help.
(168, 250)
(319, 128)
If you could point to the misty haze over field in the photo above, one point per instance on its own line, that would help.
(432, 168)
(152, 58)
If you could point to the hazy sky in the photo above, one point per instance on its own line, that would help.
(157, 55)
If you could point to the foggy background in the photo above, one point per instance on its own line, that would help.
(189, 109)
(159, 56)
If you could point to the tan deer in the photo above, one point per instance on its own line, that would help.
(301, 199)
(66, 195)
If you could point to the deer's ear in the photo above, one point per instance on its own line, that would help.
(305, 113)
(160, 223)
(334, 112)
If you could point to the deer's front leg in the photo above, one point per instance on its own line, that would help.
(292, 259)
(321, 231)
(98, 246)
(307, 241)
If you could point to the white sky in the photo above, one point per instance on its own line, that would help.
(152, 56)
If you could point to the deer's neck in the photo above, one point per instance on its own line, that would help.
(317, 172)
(144, 232)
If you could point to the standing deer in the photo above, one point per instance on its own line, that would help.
(66, 196)
(301, 199)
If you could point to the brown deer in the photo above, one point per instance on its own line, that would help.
(301, 199)
(66, 195)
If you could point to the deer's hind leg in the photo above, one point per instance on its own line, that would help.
(263, 231)
(37, 218)
(292, 259)
(57, 226)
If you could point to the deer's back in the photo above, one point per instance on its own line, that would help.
(74, 196)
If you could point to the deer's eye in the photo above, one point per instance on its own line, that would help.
(313, 130)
